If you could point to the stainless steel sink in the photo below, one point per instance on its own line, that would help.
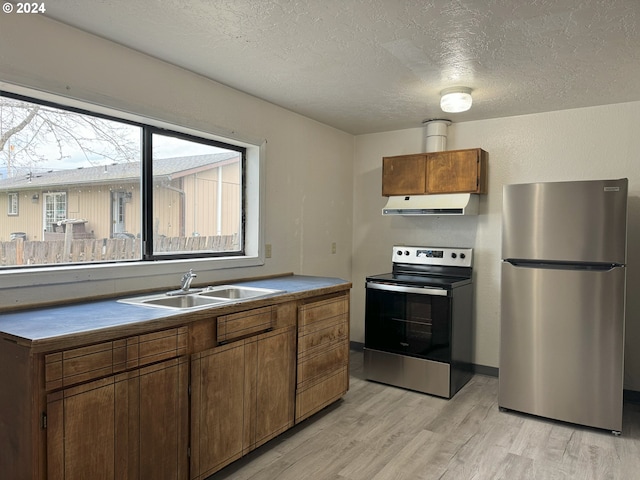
(208, 297)
(178, 302)
(233, 292)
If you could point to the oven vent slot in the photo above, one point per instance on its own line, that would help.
(424, 211)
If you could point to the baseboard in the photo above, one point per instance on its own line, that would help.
(632, 396)
(484, 370)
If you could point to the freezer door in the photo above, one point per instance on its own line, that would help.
(562, 344)
(565, 221)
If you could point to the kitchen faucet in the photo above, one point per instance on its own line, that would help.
(185, 283)
(187, 278)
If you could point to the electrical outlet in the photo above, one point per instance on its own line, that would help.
(267, 250)
(333, 248)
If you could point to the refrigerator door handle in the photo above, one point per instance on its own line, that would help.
(551, 265)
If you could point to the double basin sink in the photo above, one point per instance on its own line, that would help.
(200, 298)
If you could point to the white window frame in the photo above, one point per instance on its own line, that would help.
(13, 203)
(56, 218)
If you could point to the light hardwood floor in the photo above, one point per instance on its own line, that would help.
(378, 432)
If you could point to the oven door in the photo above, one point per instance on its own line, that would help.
(408, 320)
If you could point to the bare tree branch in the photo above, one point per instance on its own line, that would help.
(4, 138)
(31, 134)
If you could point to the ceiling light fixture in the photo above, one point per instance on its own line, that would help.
(455, 99)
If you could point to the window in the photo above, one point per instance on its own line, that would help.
(12, 204)
(55, 211)
(197, 198)
(108, 189)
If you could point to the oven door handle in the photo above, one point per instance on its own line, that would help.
(404, 289)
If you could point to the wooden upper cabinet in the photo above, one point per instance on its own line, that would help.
(457, 171)
(404, 175)
(453, 171)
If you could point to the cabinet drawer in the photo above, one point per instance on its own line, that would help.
(318, 395)
(322, 310)
(331, 331)
(324, 363)
(154, 347)
(82, 364)
(242, 324)
(85, 363)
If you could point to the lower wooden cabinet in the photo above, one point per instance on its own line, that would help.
(132, 425)
(217, 408)
(172, 404)
(274, 355)
(241, 396)
(323, 353)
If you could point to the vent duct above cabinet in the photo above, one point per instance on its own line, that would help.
(446, 204)
(436, 132)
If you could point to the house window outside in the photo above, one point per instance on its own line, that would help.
(55, 211)
(12, 204)
(197, 199)
(120, 200)
(129, 191)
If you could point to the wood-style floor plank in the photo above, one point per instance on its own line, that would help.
(379, 432)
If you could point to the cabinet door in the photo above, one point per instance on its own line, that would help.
(217, 408)
(81, 431)
(164, 420)
(128, 426)
(456, 171)
(275, 383)
(403, 175)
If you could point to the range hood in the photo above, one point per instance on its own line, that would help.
(445, 204)
(448, 204)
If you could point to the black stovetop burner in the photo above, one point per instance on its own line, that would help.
(438, 267)
(421, 280)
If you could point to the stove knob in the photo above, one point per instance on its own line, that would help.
(406, 252)
(462, 255)
(453, 255)
(399, 252)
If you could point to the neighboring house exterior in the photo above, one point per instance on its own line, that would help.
(193, 195)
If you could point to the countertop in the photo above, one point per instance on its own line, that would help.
(46, 328)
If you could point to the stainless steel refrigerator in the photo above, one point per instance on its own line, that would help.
(563, 301)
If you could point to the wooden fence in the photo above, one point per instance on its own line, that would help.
(20, 252)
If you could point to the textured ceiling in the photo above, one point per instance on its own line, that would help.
(367, 66)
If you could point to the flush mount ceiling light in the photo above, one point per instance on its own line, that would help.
(455, 99)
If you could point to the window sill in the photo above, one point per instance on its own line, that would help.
(35, 286)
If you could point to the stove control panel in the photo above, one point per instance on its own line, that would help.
(460, 257)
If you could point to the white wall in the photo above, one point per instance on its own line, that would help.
(587, 143)
(309, 174)
(319, 190)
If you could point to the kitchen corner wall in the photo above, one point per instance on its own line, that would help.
(309, 169)
(579, 144)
